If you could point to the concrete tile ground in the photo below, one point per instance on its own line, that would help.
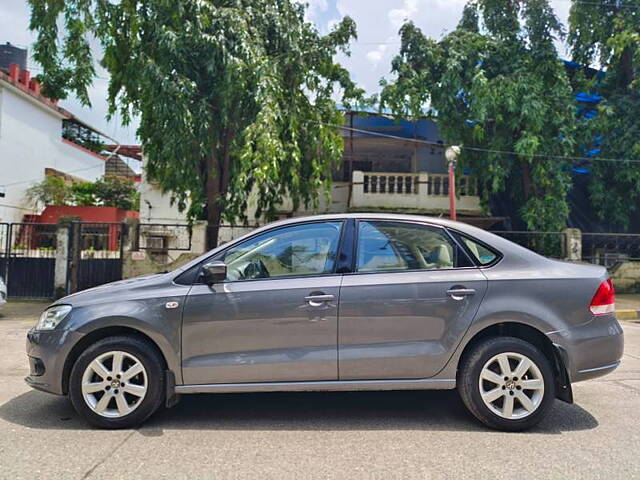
(381, 435)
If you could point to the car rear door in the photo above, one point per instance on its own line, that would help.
(411, 297)
(274, 319)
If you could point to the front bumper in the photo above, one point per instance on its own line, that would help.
(47, 351)
(591, 349)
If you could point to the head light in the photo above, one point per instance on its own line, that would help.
(51, 317)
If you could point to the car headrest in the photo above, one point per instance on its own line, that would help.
(443, 257)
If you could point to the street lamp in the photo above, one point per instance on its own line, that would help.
(451, 154)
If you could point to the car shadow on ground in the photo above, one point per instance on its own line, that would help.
(319, 411)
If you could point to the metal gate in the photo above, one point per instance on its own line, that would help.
(95, 254)
(27, 259)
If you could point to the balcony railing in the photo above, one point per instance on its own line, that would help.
(418, 191)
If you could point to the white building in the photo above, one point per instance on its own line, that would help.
(32, 146)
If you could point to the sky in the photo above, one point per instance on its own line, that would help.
(378, 22)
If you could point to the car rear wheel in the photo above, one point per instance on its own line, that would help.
(506, 383)
(117, 382)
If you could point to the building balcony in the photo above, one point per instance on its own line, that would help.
(412, 192)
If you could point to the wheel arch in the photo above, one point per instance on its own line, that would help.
(98, 334)
(532, 335)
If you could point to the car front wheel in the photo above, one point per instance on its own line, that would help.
(506, 383)
(117, 382)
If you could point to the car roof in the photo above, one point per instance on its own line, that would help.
(438, 221)
(369, 216)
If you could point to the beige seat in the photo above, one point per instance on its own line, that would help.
(443, 257)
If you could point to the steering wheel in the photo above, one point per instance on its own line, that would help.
(256, 269)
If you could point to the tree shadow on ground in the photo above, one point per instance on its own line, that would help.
(317, 411)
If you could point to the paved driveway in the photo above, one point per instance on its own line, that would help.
(317, 435)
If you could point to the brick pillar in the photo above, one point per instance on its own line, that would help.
(25, 77)
(14, 71)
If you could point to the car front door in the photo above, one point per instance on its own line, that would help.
(404, 309)
(274, 319)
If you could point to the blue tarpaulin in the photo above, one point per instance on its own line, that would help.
(585, 97)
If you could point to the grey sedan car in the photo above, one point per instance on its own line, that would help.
(337, 302)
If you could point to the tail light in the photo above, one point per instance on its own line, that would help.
(604, 300)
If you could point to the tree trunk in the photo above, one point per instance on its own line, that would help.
(214, 209)
(217, 185)
(527, 187)
(626, 68)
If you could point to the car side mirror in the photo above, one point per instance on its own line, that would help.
(214, 272)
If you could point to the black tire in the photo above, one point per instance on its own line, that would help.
(152, 362)
(469, 376)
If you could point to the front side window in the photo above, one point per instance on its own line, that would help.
(392, 246)
(307, 249)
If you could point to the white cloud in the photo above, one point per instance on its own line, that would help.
(397, 16)
(332, 23)
(374, 56)
(314, 8)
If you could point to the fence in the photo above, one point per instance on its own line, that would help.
(419, 191)
(609, 249)
(95, 250)
(549, 244)
(27, 259)
(606, 249)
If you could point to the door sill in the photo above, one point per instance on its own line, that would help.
(319, 386)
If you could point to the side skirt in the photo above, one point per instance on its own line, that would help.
(320, 386)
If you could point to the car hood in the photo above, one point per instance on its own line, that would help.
(111, 291)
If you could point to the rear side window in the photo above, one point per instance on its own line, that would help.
(396, 246)
(482, 254)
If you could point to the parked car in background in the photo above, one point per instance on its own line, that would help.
(337, 302)
(3, 292)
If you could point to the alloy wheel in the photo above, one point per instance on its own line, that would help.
(511, 385)
(114, 384)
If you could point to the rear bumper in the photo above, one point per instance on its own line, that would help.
(592, 349)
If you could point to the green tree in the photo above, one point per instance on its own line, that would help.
(233, 96)
(606, 34)
(117, 192)
(51, 190)
(499, 88)
(84, 194)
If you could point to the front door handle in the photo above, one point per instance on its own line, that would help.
(460, 293)
(317, 300)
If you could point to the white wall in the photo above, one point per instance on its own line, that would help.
(155, 207)
(30, 141)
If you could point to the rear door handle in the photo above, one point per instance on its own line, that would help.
(460, 293)
(317, 300)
